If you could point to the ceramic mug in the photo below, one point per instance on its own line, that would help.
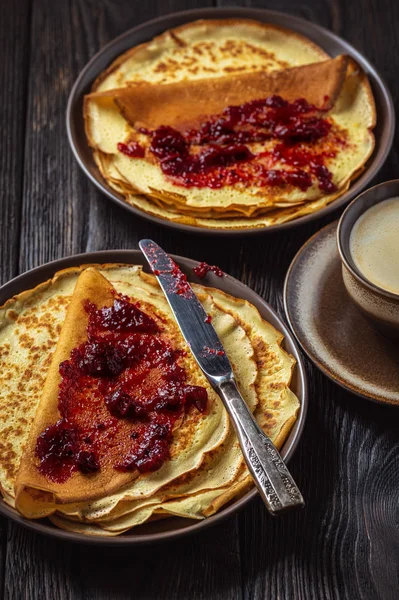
(379, 306)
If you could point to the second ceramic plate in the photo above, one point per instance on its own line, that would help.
(331, 43)
(164, 529)
(331, 330)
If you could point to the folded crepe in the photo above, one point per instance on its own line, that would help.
(340, 153)
(37, 493)
(184, 104)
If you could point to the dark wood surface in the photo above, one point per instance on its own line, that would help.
(345, 543)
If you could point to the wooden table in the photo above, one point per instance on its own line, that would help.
(345, 543)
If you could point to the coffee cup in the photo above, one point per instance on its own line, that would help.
(374, 291)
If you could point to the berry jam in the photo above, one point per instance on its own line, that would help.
(213, 351)
(216, 155)
(203, 268)
(178, 283)
(173, 152)
(263, 119)
(121, 393)
(132, 149)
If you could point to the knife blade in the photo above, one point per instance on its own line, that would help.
(271, 476)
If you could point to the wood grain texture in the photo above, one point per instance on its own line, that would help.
(14, 53)
(345, 543)
(376, 39)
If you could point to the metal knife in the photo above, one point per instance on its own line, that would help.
(272, 478)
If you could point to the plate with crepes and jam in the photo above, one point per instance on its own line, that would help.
(241, 121)
(110, 431)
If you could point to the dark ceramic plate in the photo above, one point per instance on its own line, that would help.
(331, 43)
(172, 527)
(331, 330)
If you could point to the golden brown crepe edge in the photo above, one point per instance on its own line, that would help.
(174, 35)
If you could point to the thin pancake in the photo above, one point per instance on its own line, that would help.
(210, 48)
(36, 496)
(345, 149)
(184, 104)
(214, 476)
(221, 465)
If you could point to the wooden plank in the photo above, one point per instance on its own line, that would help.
(14, 52)
(317, 11)
(201, 567)
(376, 38)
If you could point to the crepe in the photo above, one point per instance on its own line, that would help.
(35, 495)
(270, 218)
(191, 74)
(210, 48)
(345, 148)
(184, 104)
(212, 474)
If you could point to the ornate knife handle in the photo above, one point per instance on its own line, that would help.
(272, 478)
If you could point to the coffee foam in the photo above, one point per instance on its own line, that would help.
(374, 244)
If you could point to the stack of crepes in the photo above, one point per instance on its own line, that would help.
(230, 124)
(42, 329)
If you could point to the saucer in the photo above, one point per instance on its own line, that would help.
(331, 330)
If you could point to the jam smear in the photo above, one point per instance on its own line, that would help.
(120, 395)
(216, 155)
(213, 351)
(173, 151)
(263, 119)
(57, 448)
(300, 157)
(203, 268)
(177, 283)
(132, 149)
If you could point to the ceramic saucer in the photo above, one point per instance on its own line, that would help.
(331, 330)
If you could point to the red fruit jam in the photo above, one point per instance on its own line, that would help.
(212, 351)
(216, 154)
(203, 268)
(121, 393)
(175, 280)
(132, 149)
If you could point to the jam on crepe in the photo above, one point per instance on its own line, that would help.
(121, 394)
(222, 158)
(132, 149)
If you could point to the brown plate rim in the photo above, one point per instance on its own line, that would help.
(229, 284)
(147, 30)
(300, 339)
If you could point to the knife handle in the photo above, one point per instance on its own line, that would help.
(272, 478)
